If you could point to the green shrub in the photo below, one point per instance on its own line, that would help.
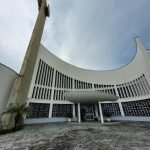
(107, 114)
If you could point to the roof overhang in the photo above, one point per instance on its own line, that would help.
(89, 96)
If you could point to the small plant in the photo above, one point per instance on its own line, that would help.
(18, 110)
(69, 115)
(107, 114)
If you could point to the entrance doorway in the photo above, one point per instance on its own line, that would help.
(87, 112)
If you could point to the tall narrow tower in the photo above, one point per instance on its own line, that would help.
(21, 86)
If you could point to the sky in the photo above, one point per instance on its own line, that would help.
(90, 34)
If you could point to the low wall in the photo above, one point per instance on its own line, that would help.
(50, 120)
(44, 120)
(131, 118)
(7, 80)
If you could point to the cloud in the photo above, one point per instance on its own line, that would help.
(95, 34)
(17, 19)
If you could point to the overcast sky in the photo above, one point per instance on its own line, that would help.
(91, 34)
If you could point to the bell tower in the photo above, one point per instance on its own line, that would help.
(21, 87)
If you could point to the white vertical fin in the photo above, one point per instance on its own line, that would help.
(139, 44)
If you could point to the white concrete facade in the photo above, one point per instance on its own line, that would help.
(133, 80)
(7, 80)
(52, 77)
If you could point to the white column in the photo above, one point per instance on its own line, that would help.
(129, 85)
(79, 115)
(115, 87)
(143, 87)
(50, 110)
(101, 114)
(53, 85)
(96, 111)
(73, 108)
(73, 85)
(125, 86)
(138, 87)
(93, 111)
(146, 82)
(121, 91)
(121, 109)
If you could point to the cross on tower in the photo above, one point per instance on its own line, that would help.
(47, 10)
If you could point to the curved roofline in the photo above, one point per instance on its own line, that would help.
(9, 68)
(98, 70)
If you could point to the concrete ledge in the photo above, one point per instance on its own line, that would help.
(49, 120)
(44, 120)
(131, 118)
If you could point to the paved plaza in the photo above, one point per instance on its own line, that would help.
(79, 136)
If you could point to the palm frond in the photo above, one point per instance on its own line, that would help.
(9, 110)
(16, 108)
